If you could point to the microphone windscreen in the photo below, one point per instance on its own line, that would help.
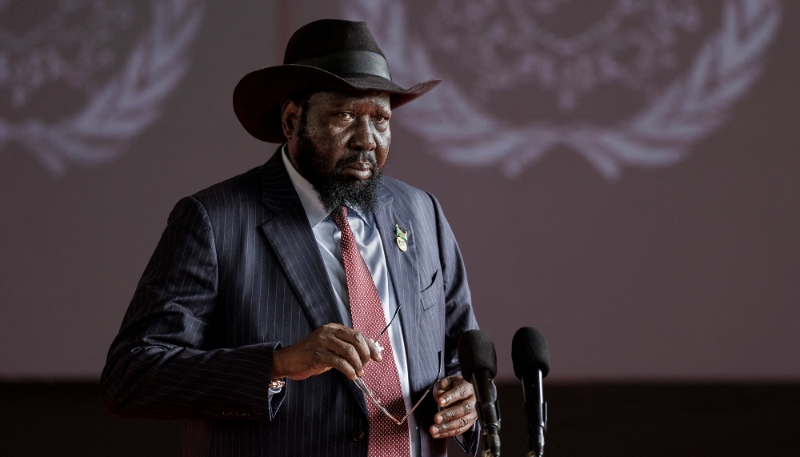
(475, 353)
(529, 352)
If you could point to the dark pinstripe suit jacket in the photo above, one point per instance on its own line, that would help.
(236, 274)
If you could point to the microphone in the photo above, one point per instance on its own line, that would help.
(531, 364)
(478, 362)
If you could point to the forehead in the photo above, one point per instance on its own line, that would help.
(350, 100)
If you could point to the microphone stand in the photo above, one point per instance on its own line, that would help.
(489, 414)
(537, 415)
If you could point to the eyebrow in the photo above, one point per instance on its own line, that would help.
(345, 106)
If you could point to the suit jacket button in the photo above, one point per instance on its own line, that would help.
(358, 436)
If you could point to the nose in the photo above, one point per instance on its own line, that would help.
(363, 138)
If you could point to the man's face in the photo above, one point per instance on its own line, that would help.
(340, 143)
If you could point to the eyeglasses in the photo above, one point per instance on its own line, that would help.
(377, 401)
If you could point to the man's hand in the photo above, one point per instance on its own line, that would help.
(330, 346)
(456, 401)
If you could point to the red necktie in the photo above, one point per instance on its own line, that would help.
(386, 439)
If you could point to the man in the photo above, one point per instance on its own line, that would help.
(307, 306)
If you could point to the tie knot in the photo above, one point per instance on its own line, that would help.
(339, 216)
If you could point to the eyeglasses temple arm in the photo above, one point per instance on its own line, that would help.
(394, 316)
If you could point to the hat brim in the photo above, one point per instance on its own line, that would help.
(257, 97)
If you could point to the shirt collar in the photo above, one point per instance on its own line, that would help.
(315, 211)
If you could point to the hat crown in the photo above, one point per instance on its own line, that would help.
(328, 54)
(327, 37)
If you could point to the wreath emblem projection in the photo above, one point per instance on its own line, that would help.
(71, 95)
(625, 83)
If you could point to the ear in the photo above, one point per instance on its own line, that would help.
(290, 118)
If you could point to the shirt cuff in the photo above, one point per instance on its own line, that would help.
(275, 400)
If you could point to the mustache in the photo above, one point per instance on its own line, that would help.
(361, 156)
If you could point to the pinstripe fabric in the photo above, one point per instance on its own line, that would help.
(237, 273)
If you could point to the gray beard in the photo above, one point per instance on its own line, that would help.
(336, 190)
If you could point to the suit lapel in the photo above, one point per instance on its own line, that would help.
(403, 271)
(293, 241)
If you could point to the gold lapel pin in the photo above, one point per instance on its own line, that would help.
(402, 238)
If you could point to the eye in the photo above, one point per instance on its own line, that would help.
(346, 116)
(381, 119)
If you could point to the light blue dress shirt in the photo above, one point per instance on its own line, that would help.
(368, 239)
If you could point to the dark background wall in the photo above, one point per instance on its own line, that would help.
(601, 419)
(622, 175)
(668, 254)
(634, 266)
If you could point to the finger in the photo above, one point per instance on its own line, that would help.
(358, 341)
(348, 352)
(459, 390)
(456, 411)
(454, 427)
(441, 388)
(326, 360)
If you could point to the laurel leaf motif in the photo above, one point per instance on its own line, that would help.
(662, 134)
(128, 103)
(721, 73)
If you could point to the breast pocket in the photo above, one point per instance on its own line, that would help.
(431, 292)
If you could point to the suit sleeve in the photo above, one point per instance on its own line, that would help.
(459, 316)
(156, 367)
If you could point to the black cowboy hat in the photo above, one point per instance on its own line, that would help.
(328, 54)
